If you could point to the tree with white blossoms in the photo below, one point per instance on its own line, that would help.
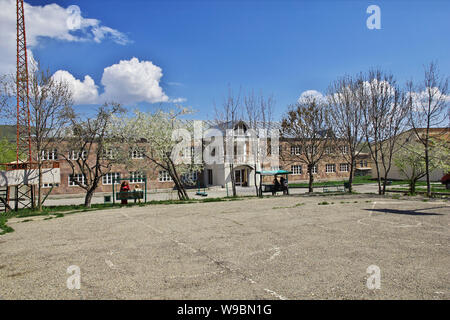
(410, 160)
(429, 110)
(162, 138)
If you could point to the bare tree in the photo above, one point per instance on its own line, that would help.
(346, 118)
(258, 116)
(50, 111)
(50, 103)
(92, 149)
(308, 124)
(384, 112)
(225, 119)
(429, 108)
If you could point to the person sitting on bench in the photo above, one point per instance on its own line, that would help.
(276, 186)
(283, 183)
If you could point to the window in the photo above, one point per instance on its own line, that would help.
(78, 177)
(75, 155)
(311, 149)
(137, 177)
(51, 154)
(189, 176)
(296, 150)
(328, 150)
(108, 178)
(314, 169)
(164, 176)
(329, 168)
(343, 167)
(137, 154)
(344, 149)
(188, 152)
(49, 185)
(296, 169)
(108, 153)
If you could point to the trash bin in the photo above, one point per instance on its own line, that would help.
(107, 199)
(346, 185)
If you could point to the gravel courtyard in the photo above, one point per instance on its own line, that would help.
(271, 248)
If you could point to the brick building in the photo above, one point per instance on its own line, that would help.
(332, 167)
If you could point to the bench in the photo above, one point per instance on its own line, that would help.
(337, 188)
(271, 188)
(130, 195)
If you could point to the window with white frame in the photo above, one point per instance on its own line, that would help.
(328, 150)
(108, 153)
(363, 164)
(137, 154)
(188, 152)
(108, 178)
(163, 176)
(51, 154)
(344, 167)
(74, 178)
(296, 169)
(75, 155)
(311, 149)
(49, 185)
(344, 149)
(296, 150)
(330, 168)
(314, 169)
(137, 177)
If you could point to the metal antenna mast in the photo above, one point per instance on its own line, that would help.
(23, 108)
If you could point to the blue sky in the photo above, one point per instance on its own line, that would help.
(277, 47)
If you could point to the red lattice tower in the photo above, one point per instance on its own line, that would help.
(23, 108)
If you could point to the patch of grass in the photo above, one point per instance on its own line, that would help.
(396, 196)
(288, 207)
(323, 203)
(27, 220)
(4, 228)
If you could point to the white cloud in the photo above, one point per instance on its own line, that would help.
(84, 92)
(311, 94)
(51, 21)
(127, 82)
(178, 100)
(131, 81)
(420, 99)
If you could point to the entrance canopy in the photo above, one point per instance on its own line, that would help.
(273, 172)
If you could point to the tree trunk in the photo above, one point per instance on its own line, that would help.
(88, 198)
(412, 186)
(384, 185)
(311, 179)
(233, 180)
(39, 193)
(181, 190)
(350, 179)
(256, 183)
(427, 170)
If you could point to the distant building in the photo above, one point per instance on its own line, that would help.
(333, 166)
(410, 136)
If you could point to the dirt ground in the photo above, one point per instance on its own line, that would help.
(272, 248)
